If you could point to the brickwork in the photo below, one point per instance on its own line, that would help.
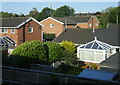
(52, 26)
(18, 35)
(92, 23)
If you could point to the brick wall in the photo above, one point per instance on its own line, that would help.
(71, 26)
(56, 29)
(94, 24)
(35, 35)
(18, 35)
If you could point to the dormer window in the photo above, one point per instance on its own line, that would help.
(4, 30)
(30, 30)
(51, 25)
(12, 30)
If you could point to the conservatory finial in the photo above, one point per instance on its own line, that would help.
(95, 38)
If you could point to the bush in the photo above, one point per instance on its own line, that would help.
(33, 49)
(54, 51)
(70, 58)
(68, 46)
(48, 36)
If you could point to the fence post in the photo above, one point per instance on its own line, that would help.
(37, 78)
(66, 80)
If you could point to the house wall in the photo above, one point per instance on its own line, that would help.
(13, 36)
(56, 29)
(82, 25)
(0, 32)
(71, 26)
(18, 35)
(35, 35)
(93, 21)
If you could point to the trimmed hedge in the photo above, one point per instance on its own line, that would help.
(54, 51)
(33, 49)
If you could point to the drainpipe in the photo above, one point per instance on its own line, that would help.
(24, 32)
(92, 21)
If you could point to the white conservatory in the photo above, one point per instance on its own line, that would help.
(95, 51)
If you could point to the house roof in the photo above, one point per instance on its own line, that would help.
(112, 62)
(96, 44)
(73, 20)
(5, 40)
(15, 22)
(113, 26)
(83, 36)
(99, 75)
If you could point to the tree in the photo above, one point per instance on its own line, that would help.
(5, 15)
(54, 51)
(70, 58)
(15, 15)
(109, 15)
(34, 13)
(49, 36)
(64, 11)
(68, 46)
(33, 49)
(22, 15)
(46, 12)
(69, 52)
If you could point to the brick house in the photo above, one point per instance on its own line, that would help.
(21, 29)
(57, 25)
(52, 25)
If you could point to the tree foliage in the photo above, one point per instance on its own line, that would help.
(48, 36)
(69, 52)
(33, 49)
(54, 51)
(68, 46)
(8, 15)
(109, 15)
(46, 12)
(64, 11)
(34, 13)
(70, 58)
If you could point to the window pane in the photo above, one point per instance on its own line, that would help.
(95, 46)
(13, 30)
(89, 45)
(30, 29)
(4, 30)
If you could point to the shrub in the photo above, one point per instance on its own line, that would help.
(33, 49)
(70, 58)
(68, 46)
(48, 36)
(54, 51)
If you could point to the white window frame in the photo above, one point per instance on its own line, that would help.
(12, 30)
(96, 24)
(51, 25)
(90, 25)
(31, 30)
(5, 30)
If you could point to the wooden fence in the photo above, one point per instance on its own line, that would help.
(35, 77)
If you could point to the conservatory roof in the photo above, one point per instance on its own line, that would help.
(5, 40)
(96, 44)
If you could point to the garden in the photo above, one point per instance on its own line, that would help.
(36, 52)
